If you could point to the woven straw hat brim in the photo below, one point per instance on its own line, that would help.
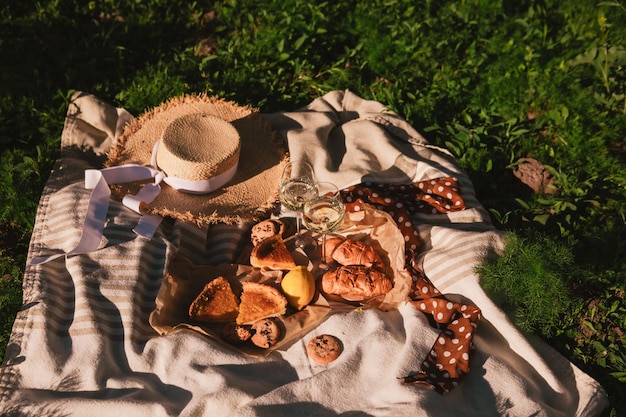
(248, 196)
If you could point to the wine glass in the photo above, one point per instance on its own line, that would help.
(297, 186)
(324, 214)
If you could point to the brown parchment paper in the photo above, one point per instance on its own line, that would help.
(184, 281)
(378, 229)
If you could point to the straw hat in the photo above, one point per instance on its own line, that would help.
(221, 161)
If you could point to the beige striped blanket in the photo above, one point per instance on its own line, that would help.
(82, 345)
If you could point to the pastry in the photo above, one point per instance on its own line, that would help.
(268, 228)
(236, 333)
(324, 348)
(265, 333)
(354, 252)
(331, 245)
(216, 302)
(354, 281)
(271, 252)
(259, 301)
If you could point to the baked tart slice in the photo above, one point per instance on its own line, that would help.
(272, 252)
(259, 301)
(216, 302)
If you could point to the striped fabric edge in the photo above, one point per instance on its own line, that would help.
(469, 248)
(9, 378)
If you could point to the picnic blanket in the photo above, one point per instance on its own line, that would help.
(83, 345)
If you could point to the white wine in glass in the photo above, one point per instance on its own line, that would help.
(324, 214)
(297, 186)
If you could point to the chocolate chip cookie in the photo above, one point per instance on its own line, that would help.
(236, 333)
(268, 228)
(324, 348)
(266, 333)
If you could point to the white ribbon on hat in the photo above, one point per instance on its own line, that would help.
(98, 181)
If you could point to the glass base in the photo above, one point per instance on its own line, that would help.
(306, 243)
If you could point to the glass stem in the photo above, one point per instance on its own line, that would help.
(323, 263)
(298, 227)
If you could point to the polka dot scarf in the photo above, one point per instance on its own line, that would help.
(448, 360)
(401, 201)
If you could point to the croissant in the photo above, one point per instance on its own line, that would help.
(356, 281)
(352, 252)
(331, 244)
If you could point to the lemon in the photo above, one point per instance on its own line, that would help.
(298, 285)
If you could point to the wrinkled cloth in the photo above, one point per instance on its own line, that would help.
(82, 344)
(449, 359)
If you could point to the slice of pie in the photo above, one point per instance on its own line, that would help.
(271, 252)
(259, 301)
(216, 302)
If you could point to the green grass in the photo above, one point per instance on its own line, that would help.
(491, 81)
(531, 281)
